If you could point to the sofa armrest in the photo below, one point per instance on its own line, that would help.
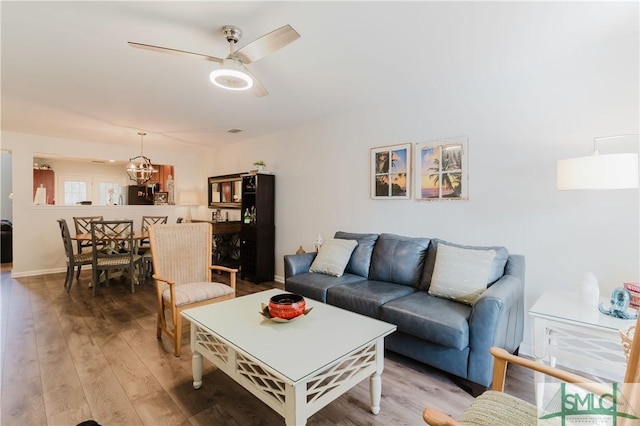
(295, 264)
(497, 319)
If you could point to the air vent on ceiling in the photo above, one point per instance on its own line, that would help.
(234, 130)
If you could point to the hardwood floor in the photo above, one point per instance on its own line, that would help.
(67, 358)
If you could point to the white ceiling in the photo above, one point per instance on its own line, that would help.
(68, 72)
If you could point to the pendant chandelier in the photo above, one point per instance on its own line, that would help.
(140, 168)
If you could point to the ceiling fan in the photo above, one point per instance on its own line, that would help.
(233, 73)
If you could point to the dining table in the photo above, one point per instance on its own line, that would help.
(137, 236)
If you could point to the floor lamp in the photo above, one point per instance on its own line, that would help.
(189, 199)
(596, 171)
(608, 171)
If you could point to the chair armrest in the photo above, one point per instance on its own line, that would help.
(232, 274)
(295, 264)
(434, 417)
(223, 268)
(166, 280)
(502, 358)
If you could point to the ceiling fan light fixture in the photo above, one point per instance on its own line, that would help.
(231, 79)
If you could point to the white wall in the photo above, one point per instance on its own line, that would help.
(37, 247)
(518, 126)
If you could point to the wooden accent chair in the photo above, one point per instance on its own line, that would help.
(182, 265)
(73, 259)
(496, 408)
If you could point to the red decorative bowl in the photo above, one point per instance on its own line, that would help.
(286, 306)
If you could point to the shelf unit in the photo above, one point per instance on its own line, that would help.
(257, 236)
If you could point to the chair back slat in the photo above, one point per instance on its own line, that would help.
(182, 252)
(83, 226)
(115, 237)
(152, 220)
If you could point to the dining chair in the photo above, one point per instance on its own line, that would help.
(182, 268)
(144, 249)
(73, 260)
(83, 226)
(497, 408)
(113, 248)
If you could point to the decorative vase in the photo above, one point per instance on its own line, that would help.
(589, 293)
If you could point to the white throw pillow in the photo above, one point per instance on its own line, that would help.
(333, 257)
(461, 274)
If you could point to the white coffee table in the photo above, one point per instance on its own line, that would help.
(296, 368)
(566, 330)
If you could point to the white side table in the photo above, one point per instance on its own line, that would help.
(565, 329)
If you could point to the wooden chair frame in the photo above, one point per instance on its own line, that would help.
(163, 305)
(434, 417)
(83, 226)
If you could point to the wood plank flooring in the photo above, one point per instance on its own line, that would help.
(67, 358)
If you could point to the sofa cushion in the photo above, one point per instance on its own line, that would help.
(366, 297)
(333, 257)
(315, 286)
(437, 320)
(497, 269)
(397, 259)
(461, 274)
(361, 256)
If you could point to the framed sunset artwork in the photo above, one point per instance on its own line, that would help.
(391, 172)
(442, 170)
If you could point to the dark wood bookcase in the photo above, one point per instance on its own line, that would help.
(257, 236)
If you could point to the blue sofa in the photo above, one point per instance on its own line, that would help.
(388, 277)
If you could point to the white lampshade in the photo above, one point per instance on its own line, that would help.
(610, 171)
(189, 198)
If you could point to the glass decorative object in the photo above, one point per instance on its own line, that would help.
(620, 300)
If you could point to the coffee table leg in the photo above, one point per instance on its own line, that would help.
(375, 381)
(196, 366)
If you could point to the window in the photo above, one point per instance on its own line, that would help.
(75, 191)
(108, 193)
(100, 190)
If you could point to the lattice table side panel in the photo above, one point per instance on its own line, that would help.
(267, 383)
(341, 373)
(597, 348)
(214, 347)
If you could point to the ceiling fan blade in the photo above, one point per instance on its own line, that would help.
(258, 89)
(174, 51)
(266, 44)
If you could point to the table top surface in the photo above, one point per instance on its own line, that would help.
(296, 349)
(565, 306)
(137, 235)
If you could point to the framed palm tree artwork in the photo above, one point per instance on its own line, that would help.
(391, 172)
(442, 170)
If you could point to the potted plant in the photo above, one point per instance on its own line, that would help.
(260, 165)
